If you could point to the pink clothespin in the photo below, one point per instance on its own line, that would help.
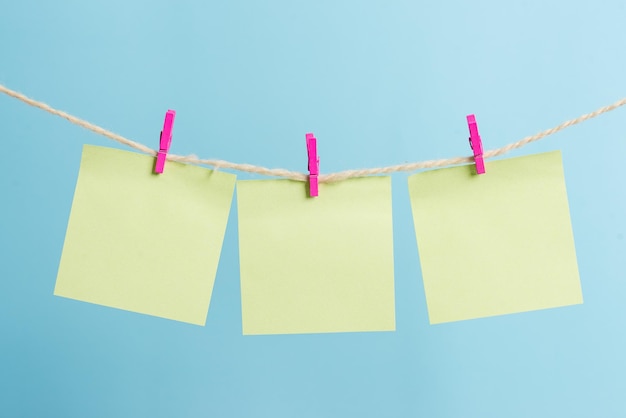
(165, 141)
(314, 164)
(476, 144)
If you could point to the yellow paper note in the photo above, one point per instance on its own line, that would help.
(144, 242)
(313, 265)
(497, 243)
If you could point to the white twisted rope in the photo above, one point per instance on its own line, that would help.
(294, 175)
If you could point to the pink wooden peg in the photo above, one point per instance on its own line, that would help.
(476, 144)
(314, 164)
(165, 141)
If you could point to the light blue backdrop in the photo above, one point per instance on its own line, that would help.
(379, 83)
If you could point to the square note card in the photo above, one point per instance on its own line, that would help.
(315, 265)
(497, 243)
(144, 242)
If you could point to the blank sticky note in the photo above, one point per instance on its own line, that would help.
(496, 243)
(144, 242)
(315, 265)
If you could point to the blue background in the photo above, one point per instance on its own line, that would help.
(379, 83)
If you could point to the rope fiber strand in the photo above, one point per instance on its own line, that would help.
(294, 175)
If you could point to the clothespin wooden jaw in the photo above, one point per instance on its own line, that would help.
(476, 144)
(314, 164)
(165, 141)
